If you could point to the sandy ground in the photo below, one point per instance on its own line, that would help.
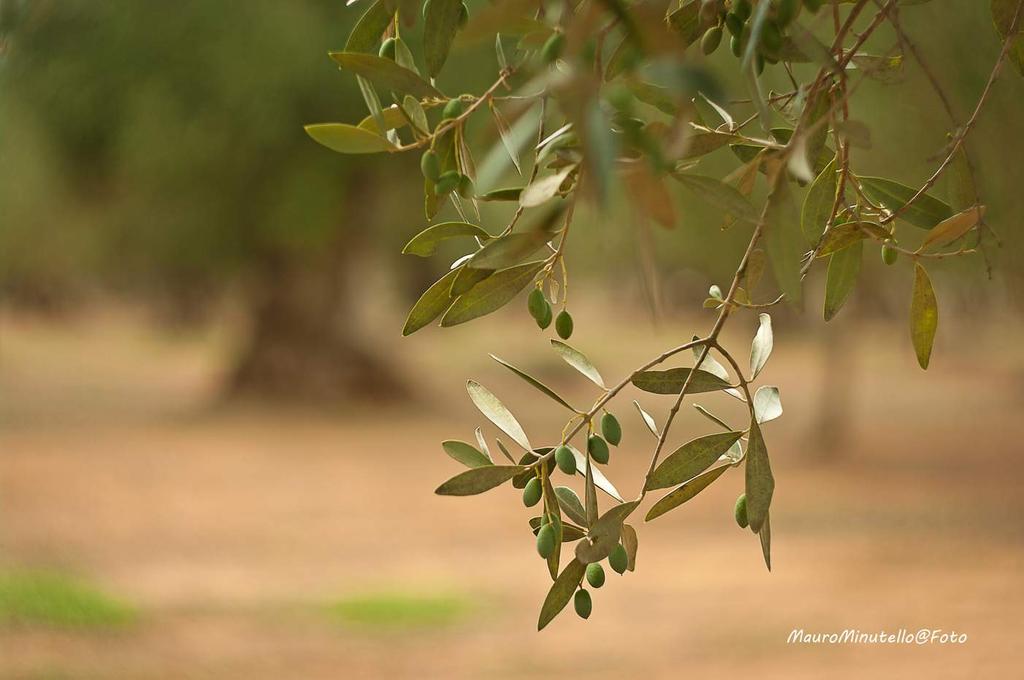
(232, 529)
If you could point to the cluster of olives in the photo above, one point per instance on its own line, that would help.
(430, 165)
(734, 16)
(540, 310)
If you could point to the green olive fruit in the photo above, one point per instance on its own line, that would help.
(771, 38)
(742, 9)
(595, 575)
(583, 604)
(553, 48)
(453, 109)
(563, 324)
(711, 40)
(546, 541)
(736, 45)
(544, 320)
(813, 5)
(535, 303)
(465, 187)
(565, 460)
(734, 23)
(611, 429)
(786, 11)
(598, 449)
(889, 254)
(463, 15)
(532, 493)
(430, 166)
(741, 511)
(618, 560)
(446, 183)
(387, 49)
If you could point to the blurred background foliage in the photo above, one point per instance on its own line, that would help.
(155, 151)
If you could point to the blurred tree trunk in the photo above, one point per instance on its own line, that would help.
(304, 344)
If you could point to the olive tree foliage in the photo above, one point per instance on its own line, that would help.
(623, 98)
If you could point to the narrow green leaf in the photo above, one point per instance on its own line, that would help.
(925, 212)
(600, 481)
(720, 195)
(392, 117)
(561, 592)
(505, 133)
(672, 381)
(369, 28)
(477, 480)
(647, 418)
(345, 138)
(631, 543)
(784, 240)
(765, 534)
(703, 143)
(467, 278)
(571, 504)
(536, 383)
(604, 534)
(508, 250)
(434, 301)
(491, 293)
(761, 347)
(924, 315)
(767, 403)
(843, 270)
(442, 22)
(497, 413)
(508, 194)
(960, 181)
(1002, 14)
(691, 459)
(425, 243)
(818, 203)
(543, 189)
(842, 235)
(570, 532)
(760, 483)
(685, 492)
(951, 229)
(482, 443)
(465, 453)
(685, 21)
(385, 73)
(579, 361)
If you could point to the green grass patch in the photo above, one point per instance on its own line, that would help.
(400, 610)
(50, 599)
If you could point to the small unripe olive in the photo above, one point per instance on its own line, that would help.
(535, 303)
(742, 9)
(786, 11)
(453, 109)
(544, 320)
(532, 493)
(430, 166)
(463, 15)
(598, 449)
(711, 40)
(741, 511)
(736, 45)
(813, 5)
(771, 37)
(465, 187)
(563, 324)
(611, 429)
(734, 23)
(583, 604)
(565, 460)
(618, 560)
(552, 48)
(446, 183)
(595, 575)
(387, 49)
(889, 254)
(546, 541)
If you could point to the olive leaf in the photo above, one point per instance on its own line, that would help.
(818, 202)
(691, 459)
(760, 483)
(761, 347)
(482, 443)
(685, 492)
(767, 404)
(951, 229)
(479, 479)
(714, 367)
(1002, 14)
(842, 235)
(434, 301)
(784, 239)
(425, 243)
(671, 381)
(720, 195)
(465, 453)
(765, 534)
(561, 592)
(506, 194)
(570, 532)
(604, 534)
(505, 133)
(370, 27)
(442, 21)
(571, 504)
(924, 315)
(536, 383)
(843, 270)
(386, 73)
(631, 543)
(392, 117)
(345, 138)
(497, 413)
(925, 212)
(491, 294)
(579, 361)
(541, 190)
(600, 481)
(647, 418)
